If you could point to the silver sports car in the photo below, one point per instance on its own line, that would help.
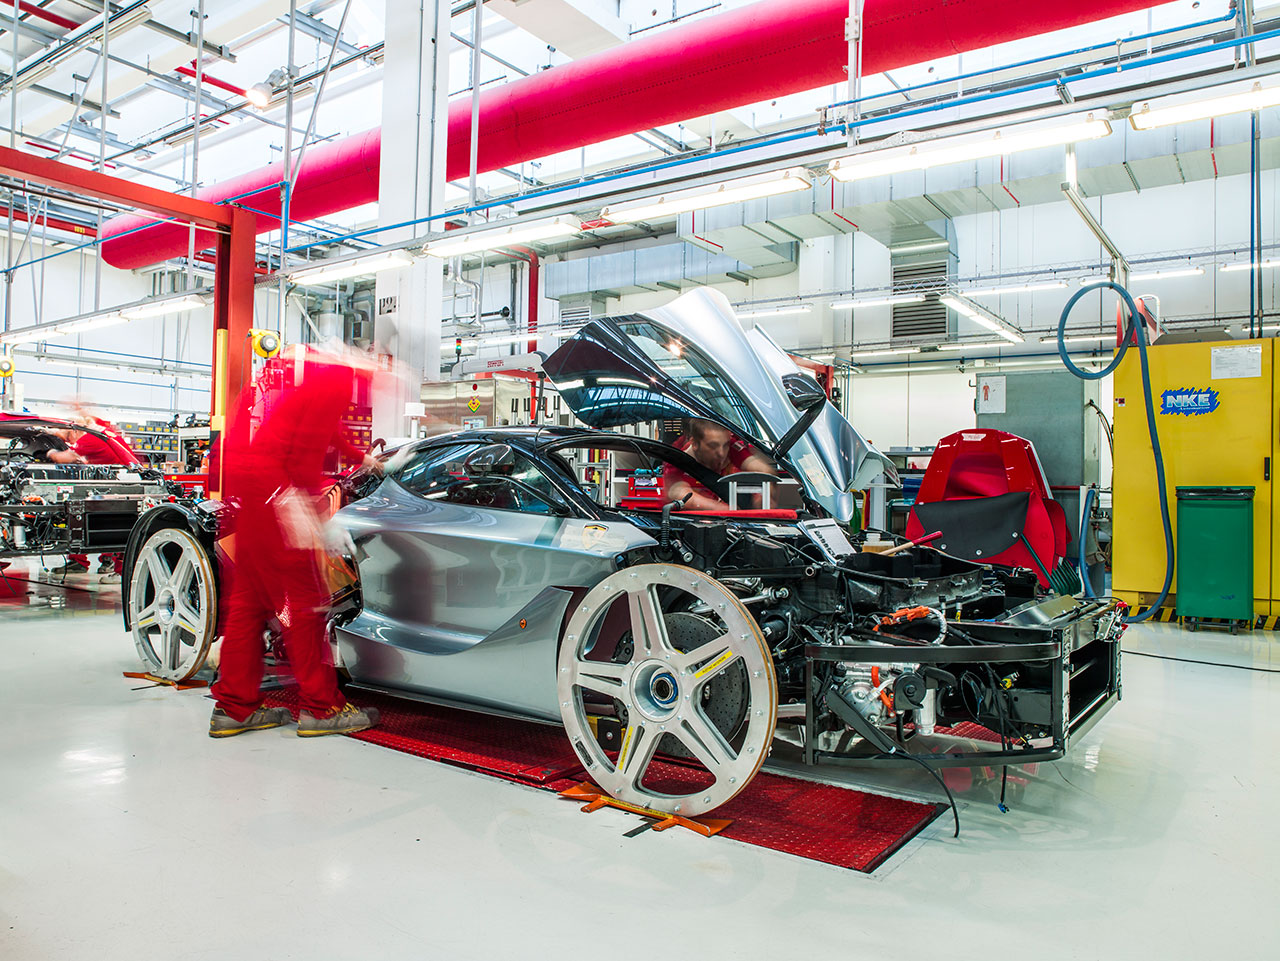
(492, 577)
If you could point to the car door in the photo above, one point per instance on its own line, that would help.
(466, 563)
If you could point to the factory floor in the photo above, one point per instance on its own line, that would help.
(125, 832)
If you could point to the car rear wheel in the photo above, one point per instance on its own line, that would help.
(696, 717)
(173, 604)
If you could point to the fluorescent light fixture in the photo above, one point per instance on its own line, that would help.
(736, 191)
(1168, 274)
(74, 42)
(93, 363)
(84, 323)
(159, 308)
(974, 345)
(967, 147)
(878, 302)
(354, 267)
(515, 338)
(919, 248)
(503, 235)
(71, 325)
(1262, 265)
(775, 311)
(1164, 111)
(984, 318)
(1015, 289)
(1081, 338)
(1015, 364)
(911, 368)
(885, 352)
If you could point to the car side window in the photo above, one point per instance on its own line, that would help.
(452, 474)
(426, 472)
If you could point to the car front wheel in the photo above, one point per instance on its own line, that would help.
(173, 604)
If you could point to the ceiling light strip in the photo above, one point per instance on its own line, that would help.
(669, 205)
(969, 147)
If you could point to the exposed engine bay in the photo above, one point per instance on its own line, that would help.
(875, 652)
(60, 508)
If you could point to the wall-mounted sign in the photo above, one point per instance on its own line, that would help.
(1226, 362)
(1189, 400)
(991, 395)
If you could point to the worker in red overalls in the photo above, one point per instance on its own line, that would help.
(718, 450)
(276, 478)
(85, 448)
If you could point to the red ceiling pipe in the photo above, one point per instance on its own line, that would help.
(41, 13)
(211, 81)
(531, 322)
(531, 311)
(766, 50)
(55, 223)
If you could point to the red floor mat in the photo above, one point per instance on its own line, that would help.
(529, 752)
(847, 828)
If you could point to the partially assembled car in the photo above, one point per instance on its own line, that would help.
(50, 508)
(489, 576)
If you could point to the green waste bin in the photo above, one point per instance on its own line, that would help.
(1215, 553)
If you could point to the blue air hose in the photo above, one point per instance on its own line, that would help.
(1135, 326)
(1084, 520)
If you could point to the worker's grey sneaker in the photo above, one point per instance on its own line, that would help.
(70, 567)
(222, 724)
(346, 720)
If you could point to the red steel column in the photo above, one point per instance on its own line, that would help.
(232, 319)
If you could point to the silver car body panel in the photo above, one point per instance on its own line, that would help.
(465, 603)
(845, 460)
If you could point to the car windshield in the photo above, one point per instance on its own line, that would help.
(686, 365)
(625, 476)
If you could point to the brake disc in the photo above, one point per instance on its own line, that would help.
(668, 694)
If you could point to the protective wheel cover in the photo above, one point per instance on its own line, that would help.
(661, 688)
(172, 604)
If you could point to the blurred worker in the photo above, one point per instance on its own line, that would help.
(718, 450)
(106, 446)
(276, 477)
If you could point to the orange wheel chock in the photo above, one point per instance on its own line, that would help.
(597, 799)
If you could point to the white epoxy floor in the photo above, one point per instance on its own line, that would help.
(126, 832)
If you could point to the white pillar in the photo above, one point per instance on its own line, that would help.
(411, 186)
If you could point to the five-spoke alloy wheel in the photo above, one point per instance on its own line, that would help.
(658, 691)
(172, 604)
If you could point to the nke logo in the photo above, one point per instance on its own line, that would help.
(1189, 400)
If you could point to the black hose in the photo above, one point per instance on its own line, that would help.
(1084, 522)
(1135, 326)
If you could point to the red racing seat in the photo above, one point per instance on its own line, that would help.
(987, 493)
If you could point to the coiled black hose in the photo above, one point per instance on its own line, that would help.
(1135, 326)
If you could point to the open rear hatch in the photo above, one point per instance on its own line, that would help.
(692, 358)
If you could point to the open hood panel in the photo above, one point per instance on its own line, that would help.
(692, 358)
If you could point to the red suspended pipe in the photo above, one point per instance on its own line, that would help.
(55, 223)
(41, 13)
(754, 53)
(211, 81)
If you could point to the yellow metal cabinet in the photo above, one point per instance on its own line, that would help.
(1216, 413)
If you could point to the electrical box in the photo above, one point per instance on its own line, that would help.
(1050, 408)
(1215, 408)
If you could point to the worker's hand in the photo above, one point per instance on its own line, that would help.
(337, 540)
(371, 463)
